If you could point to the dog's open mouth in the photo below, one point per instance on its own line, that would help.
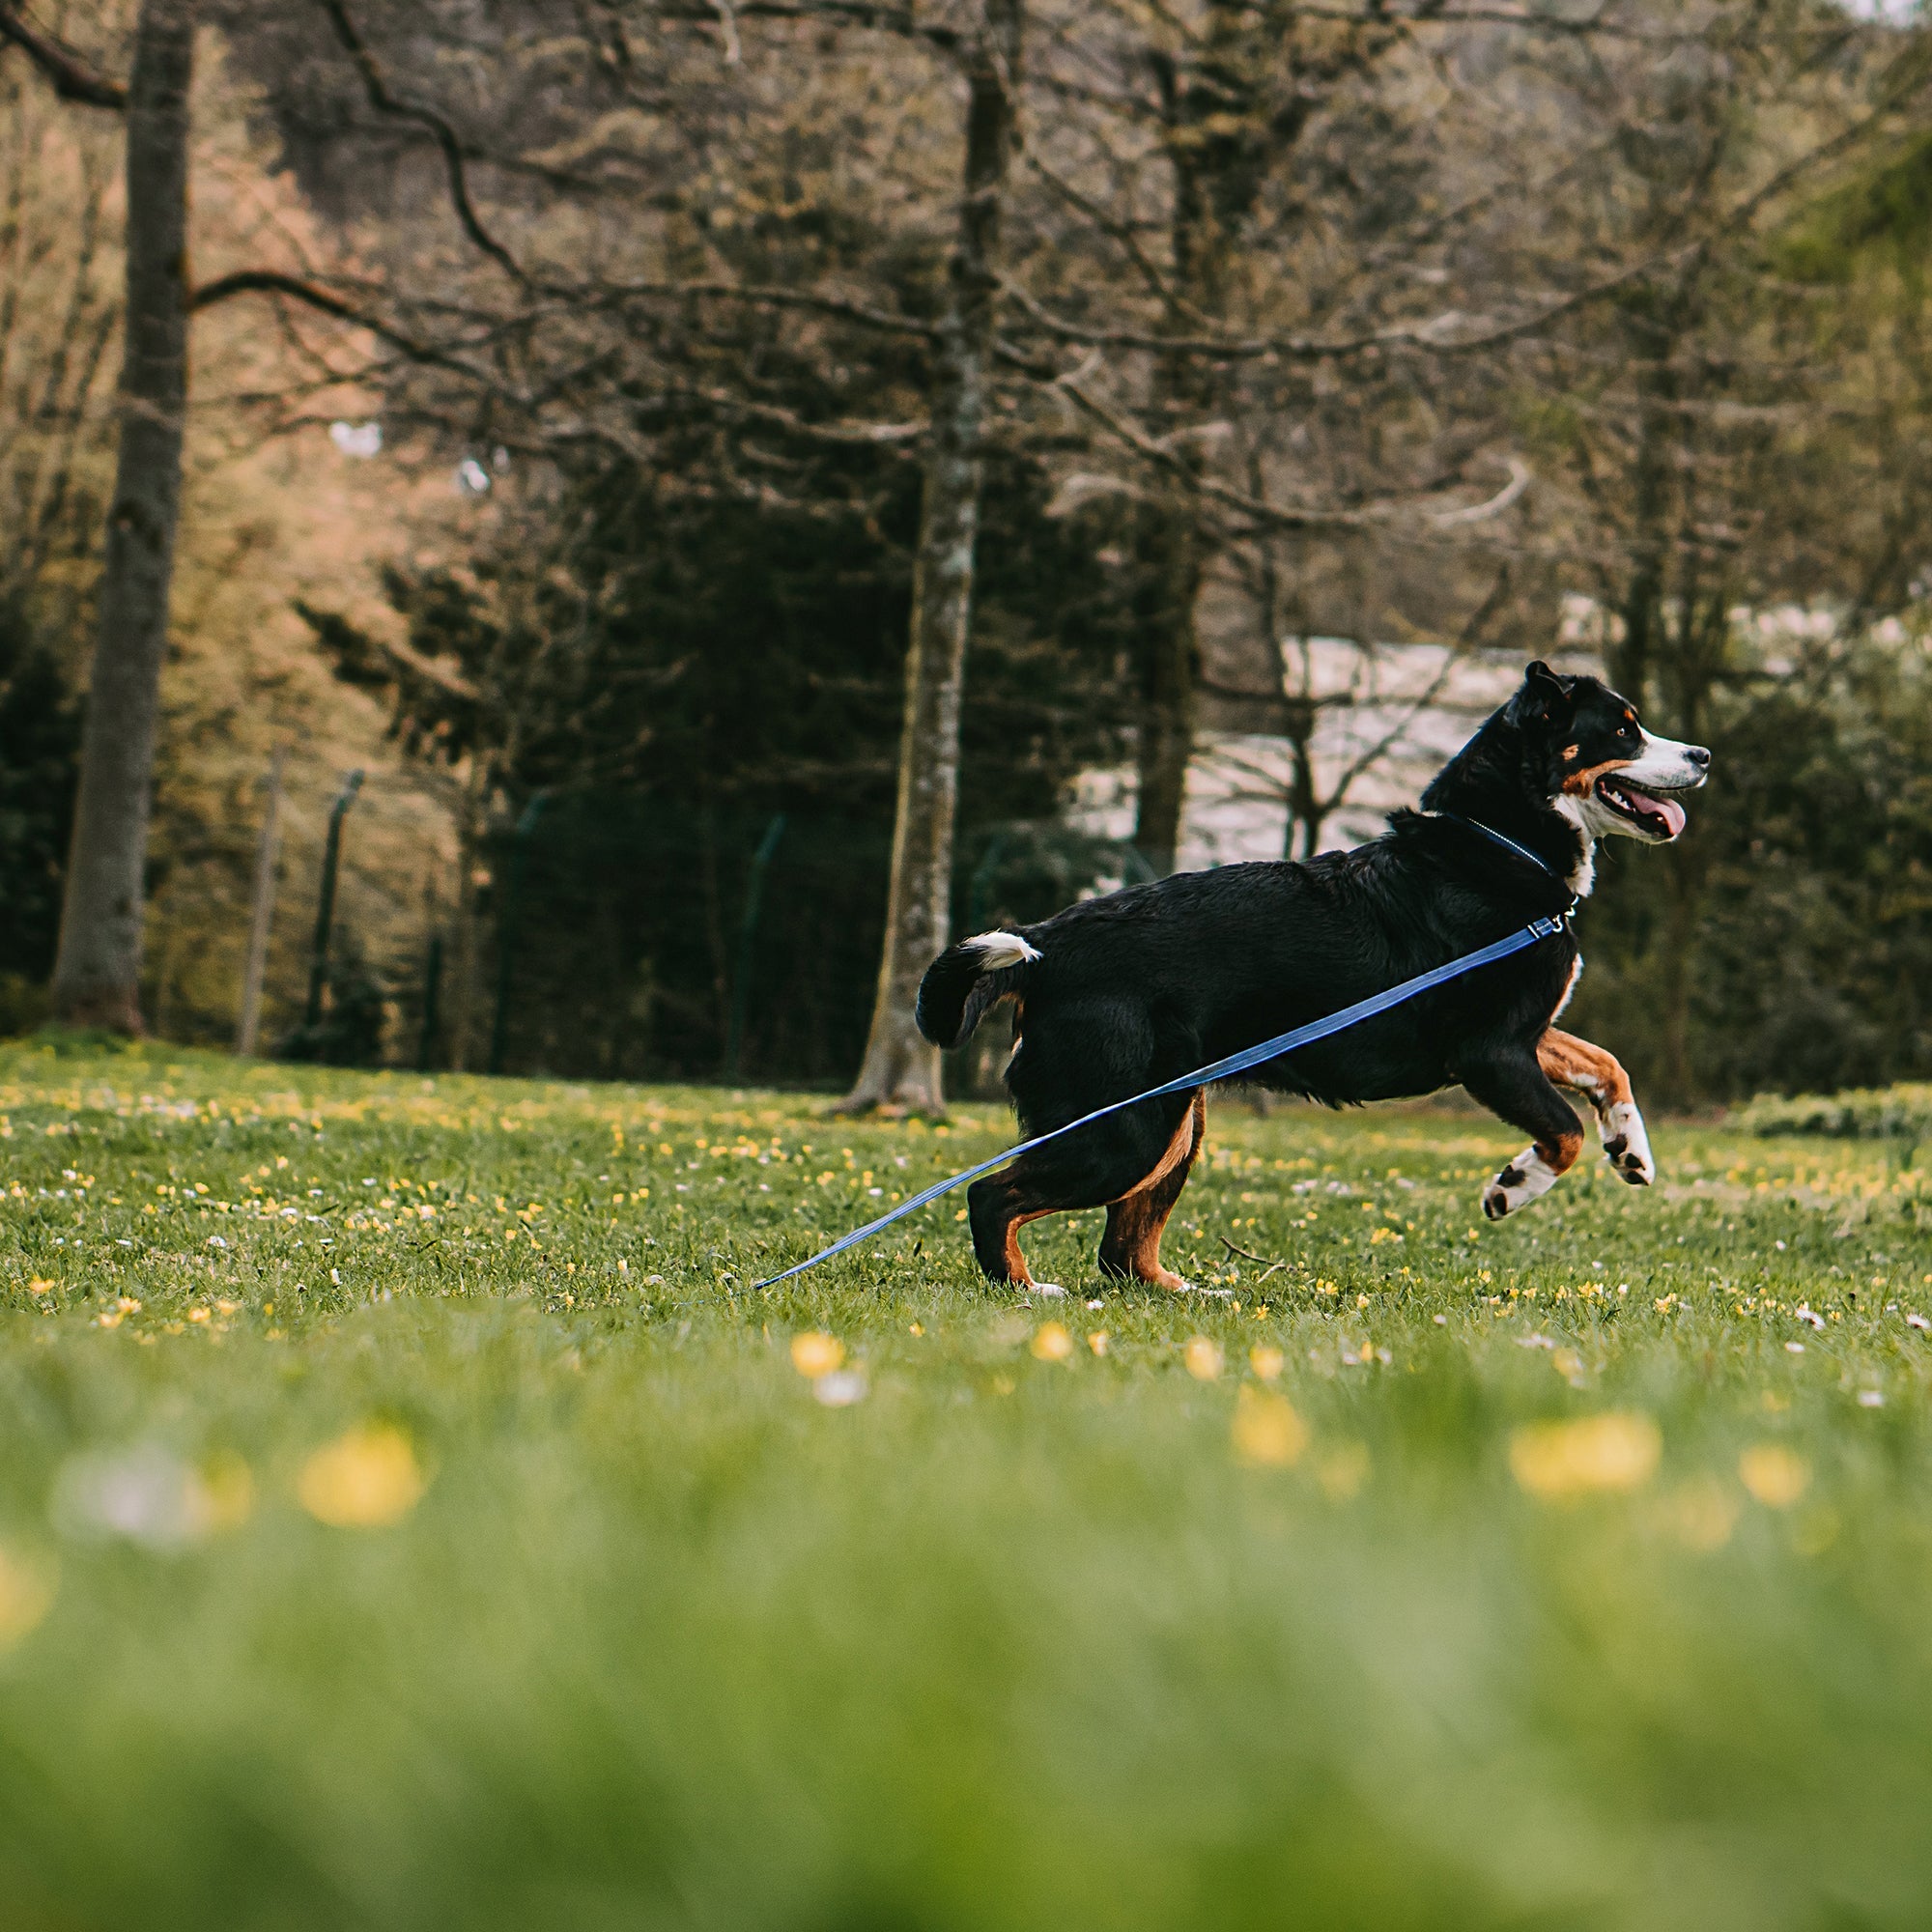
(1653, 814)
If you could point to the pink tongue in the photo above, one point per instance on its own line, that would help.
(1672, 812)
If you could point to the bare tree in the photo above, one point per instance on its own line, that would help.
(97, 973)
(900, 1071)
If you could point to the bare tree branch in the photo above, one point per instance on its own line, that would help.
(70, 76)
(377, 88)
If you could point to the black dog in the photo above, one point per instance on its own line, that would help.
(1121, 993)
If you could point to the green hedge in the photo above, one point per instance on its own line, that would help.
(1861, 1113)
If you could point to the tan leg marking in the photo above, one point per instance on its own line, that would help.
(1135, 1223)
(1600, 1078)
(1016, 1266)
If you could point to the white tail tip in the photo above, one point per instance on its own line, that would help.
(999, 949)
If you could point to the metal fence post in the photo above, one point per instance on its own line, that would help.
(432, 1020)
(506, 924)
(324, 913)
(748, 929)
(261, 910)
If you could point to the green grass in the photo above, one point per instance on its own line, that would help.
(1009, 1642)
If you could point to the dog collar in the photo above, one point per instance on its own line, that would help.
(1503, 839)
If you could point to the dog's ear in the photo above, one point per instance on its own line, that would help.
(1543, 694)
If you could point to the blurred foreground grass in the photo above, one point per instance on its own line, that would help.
(412, 1517)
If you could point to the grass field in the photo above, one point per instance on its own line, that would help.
(411, 1516)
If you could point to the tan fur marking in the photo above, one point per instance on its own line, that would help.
(1178, 1151)
(1559, 1155)
(1581, 784)
(1133, 1241)
(1137, 1220)
(1585, 1069)
(1016, 1266)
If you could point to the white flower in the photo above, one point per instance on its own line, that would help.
(840, 1389)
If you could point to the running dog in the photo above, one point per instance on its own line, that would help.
(1121, 993)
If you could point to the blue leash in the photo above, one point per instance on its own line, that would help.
(1219, 1070)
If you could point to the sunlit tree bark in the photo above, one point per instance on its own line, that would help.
(98, 971)
(901, 1070)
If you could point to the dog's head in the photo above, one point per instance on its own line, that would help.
(1585, 750)
(1563, 763)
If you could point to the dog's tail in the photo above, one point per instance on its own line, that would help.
(967, 979)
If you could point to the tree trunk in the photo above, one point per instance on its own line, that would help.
(1170, 661)
(1216, 146)
(900, 1071)
(97, 973)
(469, 849)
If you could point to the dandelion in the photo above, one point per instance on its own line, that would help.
(1097, 1341)
(1266, 1362)
(1268, 1432)
(814, 1354)
(1203, 1358)
(367, 1478)
(1776, 1476)
(1051, 1343)
(39, 1287)
(1614, 1451)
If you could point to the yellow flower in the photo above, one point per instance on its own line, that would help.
(1266, 1362)
(814, 1354)
(1612, 1450)
(1702, 1514)
(26, 1594)
(1051, 1343)
(365, 1479)
(1774, 1475)
(225, 1492)
(1097, 1341)
(1203, 1358)
(39, 1287)
(1343, 1472)
(1268, 1435)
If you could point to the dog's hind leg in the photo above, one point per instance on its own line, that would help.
(1130, 1248)
(1599, 1076)
(1517, 1087)
(1099, 1164)
(998, 1208)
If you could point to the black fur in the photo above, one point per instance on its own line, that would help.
(955, 993)
(1137, 987)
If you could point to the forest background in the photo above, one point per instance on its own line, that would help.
(589, 400)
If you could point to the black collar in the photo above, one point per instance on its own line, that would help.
(1503, 839)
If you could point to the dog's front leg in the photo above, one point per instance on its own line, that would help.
(1601, 1079)
(1514, 1086)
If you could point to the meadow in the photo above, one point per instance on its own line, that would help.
(411, 1514)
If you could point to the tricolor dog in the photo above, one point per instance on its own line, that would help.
(1119, 994)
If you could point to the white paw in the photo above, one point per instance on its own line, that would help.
(1519, 1183)
(1048, 1287)
(1626, 1145)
